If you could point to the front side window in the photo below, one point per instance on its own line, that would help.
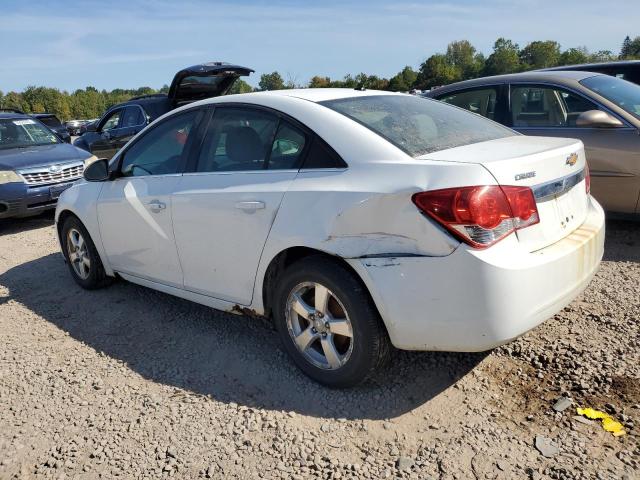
(239, 139)
(544, 106)
(24, 132)
(112, 121)
(481, 101)
(625, 95)
(418, 125)
(160, 151)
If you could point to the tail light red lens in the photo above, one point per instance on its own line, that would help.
(587, 178)
(480, 215)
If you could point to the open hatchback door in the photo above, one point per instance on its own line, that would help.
(205, 80)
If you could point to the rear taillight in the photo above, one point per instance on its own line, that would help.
(480, 215)
(587, 178)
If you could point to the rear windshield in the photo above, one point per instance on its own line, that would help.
(418, 125)
(624, 94)
(50, 121)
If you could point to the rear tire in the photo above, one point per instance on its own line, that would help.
(328, 323)
(82, 256)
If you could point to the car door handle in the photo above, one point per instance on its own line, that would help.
(251, 206)
(156, 206)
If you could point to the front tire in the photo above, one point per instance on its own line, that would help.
(82, 256)
(328, 324)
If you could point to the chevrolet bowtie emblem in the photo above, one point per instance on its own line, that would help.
(572, 159)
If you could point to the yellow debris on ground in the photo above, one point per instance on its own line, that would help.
(608, 422)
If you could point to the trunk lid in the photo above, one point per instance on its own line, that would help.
(205, 80)
(554, 168)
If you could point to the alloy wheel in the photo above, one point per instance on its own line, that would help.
(319, 325)
(78, 254)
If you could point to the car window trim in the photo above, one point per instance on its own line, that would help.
(509, 115)
(185, 154)
(502, 97)
(309, 133)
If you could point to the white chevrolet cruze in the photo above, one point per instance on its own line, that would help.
(357, 220)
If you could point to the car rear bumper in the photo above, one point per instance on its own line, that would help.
(474, 300)
(20, 200)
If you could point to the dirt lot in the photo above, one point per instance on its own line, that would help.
(127, 382)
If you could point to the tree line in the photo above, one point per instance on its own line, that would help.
(461, 61)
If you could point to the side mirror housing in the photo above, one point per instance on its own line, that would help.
(97, 171)
(597, 119)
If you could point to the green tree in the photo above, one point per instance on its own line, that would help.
(462, 55)
(319, 82)
(504, 59)
(631, 50)
(435, 71)
(540, 54)
(625, 51)
(574, 56)
(240, 86)
(602, 56)
(271, 81)
(404, 80)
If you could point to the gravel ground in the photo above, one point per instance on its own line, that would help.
(128, 382)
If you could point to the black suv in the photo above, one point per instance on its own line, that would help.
(121, 122)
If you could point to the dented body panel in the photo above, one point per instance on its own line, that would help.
(474, 300)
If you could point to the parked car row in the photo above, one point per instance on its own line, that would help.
(36, 166)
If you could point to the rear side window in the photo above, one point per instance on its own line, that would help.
(418, 125)
(133, 117)
(481, 101)
(287, 147)
(320, 155)
(237, 139)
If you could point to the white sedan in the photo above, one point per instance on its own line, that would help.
(357, 220)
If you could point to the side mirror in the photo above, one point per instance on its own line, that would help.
(97, 171)
(597, 119)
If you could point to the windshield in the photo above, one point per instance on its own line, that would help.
(418, 125)
(24, 132)
(624, 94)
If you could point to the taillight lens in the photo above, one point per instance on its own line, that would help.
(480, 215)
(587, 178)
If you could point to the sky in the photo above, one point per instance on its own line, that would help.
(70, 44)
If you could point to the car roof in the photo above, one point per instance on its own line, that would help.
(10, 115)
(561, 76)
(597, 65)
(310, 94)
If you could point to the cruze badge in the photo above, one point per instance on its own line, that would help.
(522, 176)
(572, 159)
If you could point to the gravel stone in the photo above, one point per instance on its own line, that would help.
(127, 382)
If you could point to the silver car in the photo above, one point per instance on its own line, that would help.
(600, 110)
